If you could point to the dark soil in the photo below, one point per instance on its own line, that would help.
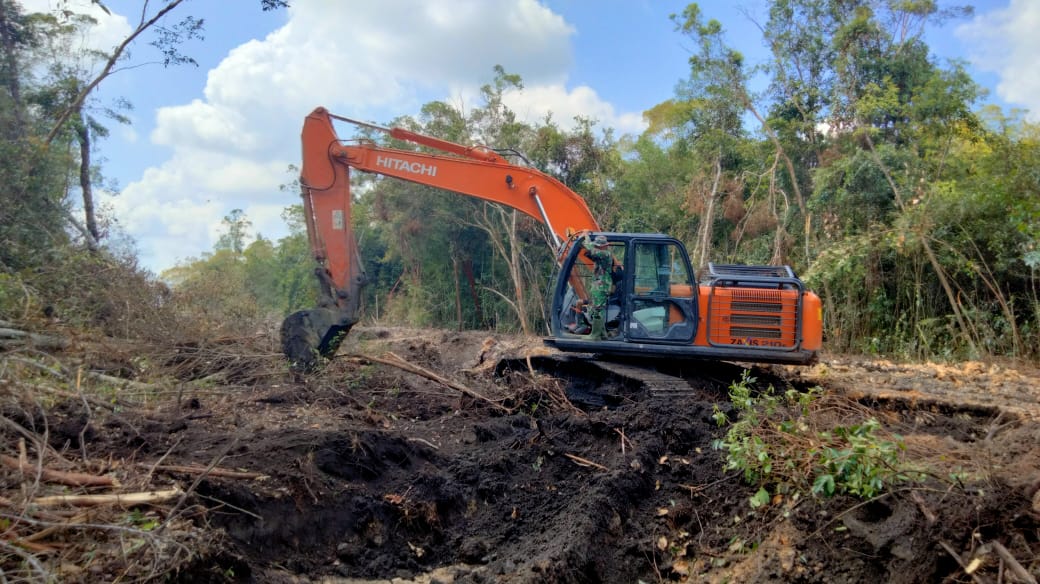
(374, 473)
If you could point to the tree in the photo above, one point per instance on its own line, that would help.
(44, 119)
(500, 253)
(31, 216)
(892, 116)
(168, 43)
(237, 230)
(719, 71)
(704, 120)
(587, 163)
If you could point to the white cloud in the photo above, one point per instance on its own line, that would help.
(1006, 42)
(230, 148)
(202, 125)
(176, 209)
(534, 103)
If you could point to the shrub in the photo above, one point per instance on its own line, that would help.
(806, 442)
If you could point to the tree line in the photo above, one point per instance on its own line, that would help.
(852, 155)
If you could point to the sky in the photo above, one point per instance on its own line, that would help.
(221, 136)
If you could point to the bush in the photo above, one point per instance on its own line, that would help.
(114, 297)
(806, 442)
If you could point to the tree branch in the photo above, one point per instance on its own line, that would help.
(116, 54)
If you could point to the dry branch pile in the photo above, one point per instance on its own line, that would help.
(69, 513)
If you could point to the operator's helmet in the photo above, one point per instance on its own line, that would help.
(600, 241)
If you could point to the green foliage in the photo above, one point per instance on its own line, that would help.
(882, 294)
(774, 441)
(441, 259)
(15, 298)
(238, 288)
(89, 291)
(214, 290)
(855, 460)
(31, 208)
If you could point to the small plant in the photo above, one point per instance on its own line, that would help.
(775, 440)
(362, 379)
(142, 521)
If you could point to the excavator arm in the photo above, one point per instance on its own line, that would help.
(325, 188)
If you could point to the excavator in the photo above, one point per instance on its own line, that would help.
(650, 304)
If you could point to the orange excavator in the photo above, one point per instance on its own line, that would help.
(642, 301)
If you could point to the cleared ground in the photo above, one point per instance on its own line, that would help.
(435, 456)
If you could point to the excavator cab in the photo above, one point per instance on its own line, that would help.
(651, 295)
(656, 307)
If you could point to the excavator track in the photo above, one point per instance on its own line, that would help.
(593, 381)
(654, 382)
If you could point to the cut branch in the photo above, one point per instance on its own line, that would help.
(127, 383)
(585, 462)
(72, 479)
(1016, 568)
(121, 499)
(960, 561)
(197, 470)
(10, 337)
(77, 103)
(396, 361)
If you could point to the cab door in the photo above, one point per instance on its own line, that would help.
(662, 300)
(572, 295)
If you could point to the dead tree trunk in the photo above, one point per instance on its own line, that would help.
(706, 230)
(90, 219)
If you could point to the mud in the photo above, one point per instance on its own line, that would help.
(371, 473)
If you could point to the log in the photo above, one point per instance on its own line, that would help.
(119, 381)
(396, 361)
(72, 479)
(10, 337)
(121, 499)
(198, 470)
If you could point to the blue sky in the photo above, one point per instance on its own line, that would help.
(209, 139)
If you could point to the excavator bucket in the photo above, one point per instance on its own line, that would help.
(309, 336)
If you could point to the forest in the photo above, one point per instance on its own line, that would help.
(853, 155)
